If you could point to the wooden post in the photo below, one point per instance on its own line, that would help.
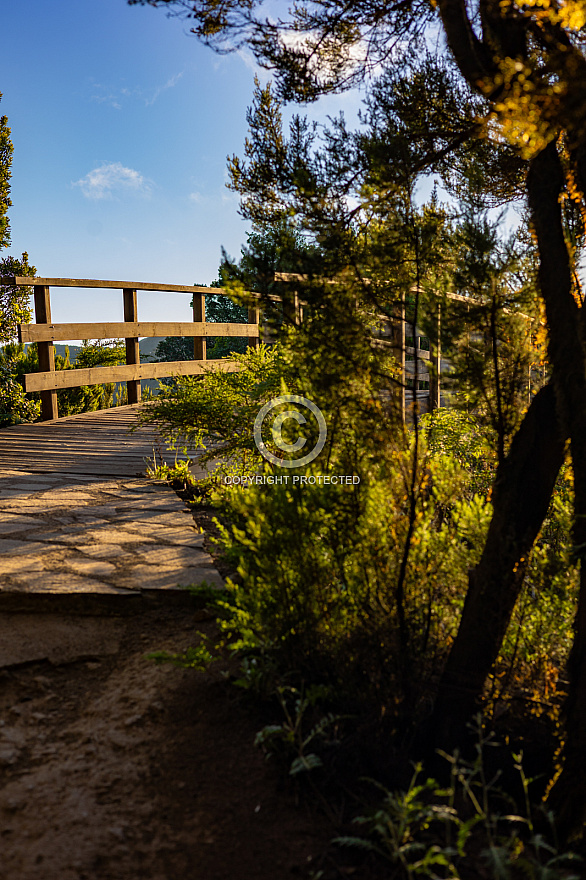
(291, 307)
(49, 409)
(253, 318)
(200, 347)
(435, 384)
(298, 310)
(132, 349)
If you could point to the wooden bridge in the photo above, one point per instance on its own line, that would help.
(105, 443)
(101, 443)
(81, 530)
(45, 333)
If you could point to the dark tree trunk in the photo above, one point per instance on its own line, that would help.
(567, 353)
(521, 496)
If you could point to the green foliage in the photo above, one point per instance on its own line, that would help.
(15, 306)
(219, 309)
(174, 348)
(193, 658)
(176, 472)
(15, 405)
(101, 353)
(458, 830)
(272, 247)
(490, 337)
(88, 398)
(216, 412)
(290, 739)
(17, 361)
(6, 150)
(451, 432)
(320, 567)
(539, 637)
(501, 118)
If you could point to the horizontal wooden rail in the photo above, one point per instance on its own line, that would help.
(27, 281)
(48, 380)
(52, 381)
(125, 329)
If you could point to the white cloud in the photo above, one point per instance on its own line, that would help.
(116, 96)
(112, 100)
(110, 179)
(172, 81)
(247, 57)
(212, 199)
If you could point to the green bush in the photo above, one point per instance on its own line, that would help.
(216, 412)
(322, 586)
(469, 828)
(19, 406)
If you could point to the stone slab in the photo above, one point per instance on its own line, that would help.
(161, 577)
(107, 551)
(178, 556)
(14, 546)
(63, 582)
(23, 562)
(91, 567)
(188, 537)
(97, 547)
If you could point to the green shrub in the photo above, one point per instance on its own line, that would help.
(215, 412)
(85, 398)
(320, 570)
(462, 830)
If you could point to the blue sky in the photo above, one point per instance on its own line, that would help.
(121, 124)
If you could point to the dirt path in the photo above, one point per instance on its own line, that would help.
(115, 768)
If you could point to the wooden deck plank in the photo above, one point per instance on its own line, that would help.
(97, 443)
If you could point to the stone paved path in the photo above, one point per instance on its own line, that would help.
(81, 543)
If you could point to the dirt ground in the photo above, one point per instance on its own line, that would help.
(115, 768)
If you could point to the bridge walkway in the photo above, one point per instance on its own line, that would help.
(81, 529)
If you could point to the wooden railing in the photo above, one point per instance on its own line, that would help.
(45, 333)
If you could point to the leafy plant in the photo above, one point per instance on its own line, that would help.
(85, 398)
(215, 412)
(198, 658)
(319, 567)
(291, 736)
(15, 405)
(455, 831)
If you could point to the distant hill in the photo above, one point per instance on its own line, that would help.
(146, 346)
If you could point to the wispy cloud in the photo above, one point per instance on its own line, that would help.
(172, 81)
(108, 98)
(115, 97)
(111, 179)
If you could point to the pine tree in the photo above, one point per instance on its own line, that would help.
(524, 66)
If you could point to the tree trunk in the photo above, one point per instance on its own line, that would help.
(567, 353)
(521, 496)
